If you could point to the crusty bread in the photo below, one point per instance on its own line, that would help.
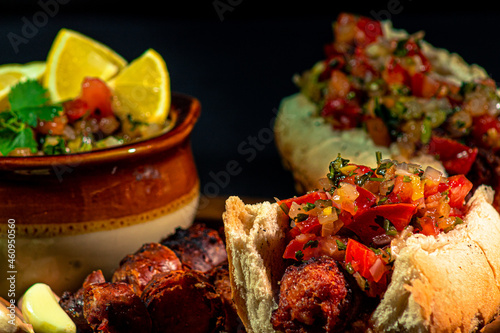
(255, 240)
(448, 283)
(307, 143)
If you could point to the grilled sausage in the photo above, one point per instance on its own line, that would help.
(198, 247)
(115, 308)
(183, 301)
(138, 269)
(315, 297)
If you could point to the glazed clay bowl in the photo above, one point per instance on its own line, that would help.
(63, 216)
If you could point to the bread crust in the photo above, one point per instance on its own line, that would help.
(448, 283)
(255, 240)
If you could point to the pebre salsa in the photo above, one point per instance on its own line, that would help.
(400, 90)
(32, 126)
(360, 212)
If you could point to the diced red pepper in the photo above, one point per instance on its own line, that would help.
(310, 226)
(459, 187)
(310, 197)
(364, 201)
(299, 244)
(368, 31)
(365, 224)
(422, 85)
(362, 259)
(457, 158)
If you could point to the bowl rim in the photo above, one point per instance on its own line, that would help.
(188, 108)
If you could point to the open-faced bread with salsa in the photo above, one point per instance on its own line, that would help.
(393, 248)
(382, 89)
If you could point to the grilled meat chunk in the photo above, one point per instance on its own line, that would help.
(72, 303)
(183, 301)
(139, 268)
(115, 308)
(198, 247)
(315, 296)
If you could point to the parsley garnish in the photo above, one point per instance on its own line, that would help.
(335, 174)
(299, 255)
(28, 105)
(311, 244)
(340, 245)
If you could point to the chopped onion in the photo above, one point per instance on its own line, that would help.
(377, 270)
(295, 209)
(432, 174)
(403, 169)
(325, 184)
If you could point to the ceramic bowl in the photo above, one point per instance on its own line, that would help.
(63, 216)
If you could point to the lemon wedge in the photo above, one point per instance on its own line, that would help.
(11, 74)
(142, 89)
(74, 56)
(41, 309)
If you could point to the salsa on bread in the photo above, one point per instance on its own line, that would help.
(401, 90)
(350, 227)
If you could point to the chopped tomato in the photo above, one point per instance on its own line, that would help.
(98, 97)
(457, 158)
(52, 127)
(370, 223)
(364, 261)
(422, 85)
(394, 73)
(483, 124)
(344, 113)
(402, 191)
(428, 226)
(368, 31)
(75, 109)
(297, 244)
(459, 187)
(310, 226)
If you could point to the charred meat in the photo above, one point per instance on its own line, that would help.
(315, 296)
(115, 308)
(138, 269)
(183, 301)
(198, 247)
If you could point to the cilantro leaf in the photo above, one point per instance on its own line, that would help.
(27, 94)
(28, 104)
(10, 140)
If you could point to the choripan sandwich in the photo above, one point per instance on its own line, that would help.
(390, 248)
(382, 89)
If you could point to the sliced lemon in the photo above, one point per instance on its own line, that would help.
(142, 89)
(74, 56)
(11, 74)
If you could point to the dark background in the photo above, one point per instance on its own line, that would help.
(238, 58)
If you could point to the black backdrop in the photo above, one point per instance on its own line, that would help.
(238, 57)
